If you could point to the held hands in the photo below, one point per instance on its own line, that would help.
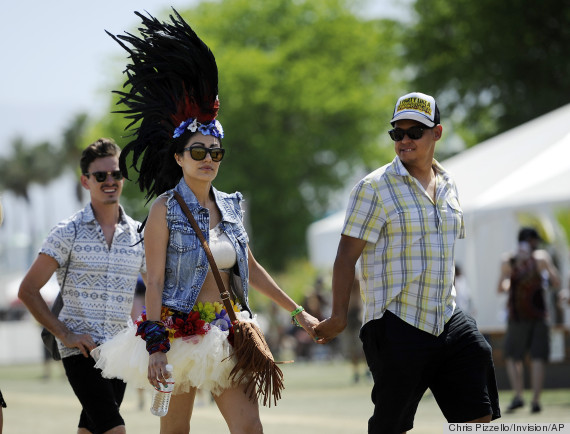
(308, 322)
(329, 328)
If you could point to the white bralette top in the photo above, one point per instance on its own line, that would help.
(222, 249)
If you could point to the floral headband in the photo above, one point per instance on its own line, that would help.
(212, 128)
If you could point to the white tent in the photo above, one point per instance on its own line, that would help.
(522, 172)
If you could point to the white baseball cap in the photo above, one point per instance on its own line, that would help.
(418, 107)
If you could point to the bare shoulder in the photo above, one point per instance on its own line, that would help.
(542, 255)
(161, 200)
(159, 204)
(506, 259)
(157, 211)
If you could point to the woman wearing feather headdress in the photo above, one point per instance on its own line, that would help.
(177, 147)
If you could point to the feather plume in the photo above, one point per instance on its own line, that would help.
(172, 77)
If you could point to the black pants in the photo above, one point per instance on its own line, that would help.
(100, 397)
(457, 366)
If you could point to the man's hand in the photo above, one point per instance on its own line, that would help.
(329, 328)
(83, 342)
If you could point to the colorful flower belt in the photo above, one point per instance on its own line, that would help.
(198, 321)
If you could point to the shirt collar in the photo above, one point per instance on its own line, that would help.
(88, 216)
(398, 168)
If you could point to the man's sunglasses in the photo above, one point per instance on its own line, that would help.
(117, 175)
(413, 133)
(198, 153)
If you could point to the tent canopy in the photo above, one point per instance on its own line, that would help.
(527, 164)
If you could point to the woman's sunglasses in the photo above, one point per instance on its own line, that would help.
(413, 133)
(198, 153)
(102, 176)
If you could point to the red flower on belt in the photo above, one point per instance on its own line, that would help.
(191, 325)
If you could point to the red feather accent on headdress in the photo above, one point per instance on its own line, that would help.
(187, 108)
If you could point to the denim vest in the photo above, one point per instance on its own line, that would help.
(186, 261)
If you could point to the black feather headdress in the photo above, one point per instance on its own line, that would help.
(172, 85)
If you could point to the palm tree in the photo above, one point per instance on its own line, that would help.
(26, 166)
(72, 146)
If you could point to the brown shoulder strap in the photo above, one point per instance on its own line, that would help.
(224, 294)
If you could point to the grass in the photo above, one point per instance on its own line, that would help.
(319, 398)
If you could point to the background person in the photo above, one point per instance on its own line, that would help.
(316, 304)
(463, 299)
(2, 405)
(136, 312)
(351, 345)
(402, 222)
(563, 301)
(526, 276)
(105, 257)
(2, 402)
(138, 299)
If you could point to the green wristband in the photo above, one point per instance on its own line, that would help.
(294, 314)
(297, 311)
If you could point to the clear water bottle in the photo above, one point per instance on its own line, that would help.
(161, 396)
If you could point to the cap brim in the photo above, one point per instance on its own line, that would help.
(414, 116)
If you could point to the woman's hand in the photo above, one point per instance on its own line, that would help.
(329, 328)
(308, 322)
(157, 372)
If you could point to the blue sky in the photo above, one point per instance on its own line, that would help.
(57, 60)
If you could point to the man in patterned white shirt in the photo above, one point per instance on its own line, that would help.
(97, 254)
(402, 222)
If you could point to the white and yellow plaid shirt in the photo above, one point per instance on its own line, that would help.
(407, 265)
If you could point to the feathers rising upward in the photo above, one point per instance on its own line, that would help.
(172, 77)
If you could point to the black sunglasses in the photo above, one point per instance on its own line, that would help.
(413, 133)
(198, 153)
(102, 176)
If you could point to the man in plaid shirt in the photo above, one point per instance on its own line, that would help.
(402, 222)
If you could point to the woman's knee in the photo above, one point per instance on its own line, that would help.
(177, 420)
(249, 424)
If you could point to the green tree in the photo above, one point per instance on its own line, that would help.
(302, 86)
(72, 144)
(28, 164)
(495, 64)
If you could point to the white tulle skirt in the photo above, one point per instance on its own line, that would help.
(202, 361)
